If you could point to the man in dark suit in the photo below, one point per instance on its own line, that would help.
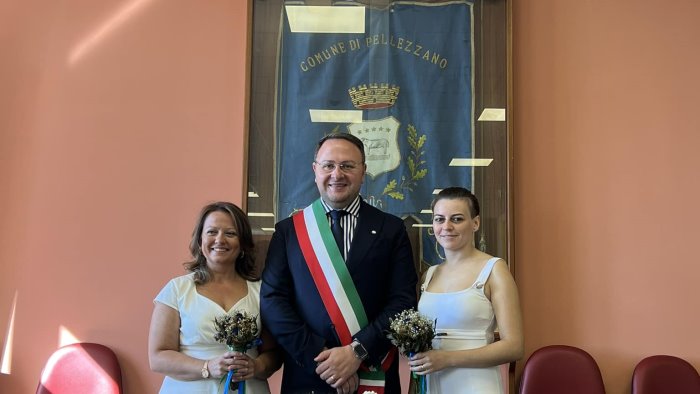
(327, 303)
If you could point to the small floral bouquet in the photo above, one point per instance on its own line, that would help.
(239, 332)
(412, 333)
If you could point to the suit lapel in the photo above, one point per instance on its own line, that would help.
(369, 225)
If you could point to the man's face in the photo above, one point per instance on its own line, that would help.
(338, 186)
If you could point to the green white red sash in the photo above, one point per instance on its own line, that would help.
(334, 283)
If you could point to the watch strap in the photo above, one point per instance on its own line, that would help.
(205, 369)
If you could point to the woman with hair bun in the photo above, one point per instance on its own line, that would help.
(469, 295)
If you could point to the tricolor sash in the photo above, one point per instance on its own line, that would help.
(335, 285)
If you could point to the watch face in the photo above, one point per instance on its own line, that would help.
(205, 372)
(360, 351)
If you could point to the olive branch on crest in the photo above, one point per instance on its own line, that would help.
(415, 163)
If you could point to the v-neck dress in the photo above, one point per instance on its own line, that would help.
(197, 331)
(465, 320)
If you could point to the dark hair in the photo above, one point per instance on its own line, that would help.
(459, 193)
(245, 263)
(342, 136)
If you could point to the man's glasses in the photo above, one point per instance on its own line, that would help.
(330, 166)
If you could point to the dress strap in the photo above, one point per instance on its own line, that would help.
(428, 276)
(485, 273)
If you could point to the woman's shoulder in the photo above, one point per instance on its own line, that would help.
(188, 277)
(490, 262)
(175, 288)
(254, 285)
(182, 281)
(485, 260)
(497, 262)
(500, 271)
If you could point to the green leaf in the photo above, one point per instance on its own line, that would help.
(411, 130)
(390, 186)
(421, 141)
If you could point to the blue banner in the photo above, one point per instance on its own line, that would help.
(404, 86)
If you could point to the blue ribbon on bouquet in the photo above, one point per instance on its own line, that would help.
(229, 376)
(420, 379)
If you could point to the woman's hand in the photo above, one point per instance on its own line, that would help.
(428, 362)
(244, 367)
(220, 366)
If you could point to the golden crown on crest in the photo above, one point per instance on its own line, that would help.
(376, 95)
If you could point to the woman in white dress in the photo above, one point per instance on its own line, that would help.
(470, 294)
(222, 279)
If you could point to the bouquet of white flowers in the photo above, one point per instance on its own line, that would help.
(412, 333)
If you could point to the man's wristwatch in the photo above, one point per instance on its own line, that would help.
(359, 350)
(205, 370)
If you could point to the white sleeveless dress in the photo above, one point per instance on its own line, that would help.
(197, 331)
(467, 320)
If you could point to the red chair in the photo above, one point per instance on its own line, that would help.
(560, 369)
(665, 374)
(81, 368)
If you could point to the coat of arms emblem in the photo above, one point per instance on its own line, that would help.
(380, 138)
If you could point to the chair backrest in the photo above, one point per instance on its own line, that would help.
(81, 368)
(560, 369)
(665, 374)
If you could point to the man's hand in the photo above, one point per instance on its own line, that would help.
(350, 386)
(337, 365)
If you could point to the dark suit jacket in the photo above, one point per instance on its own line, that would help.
(381, 265)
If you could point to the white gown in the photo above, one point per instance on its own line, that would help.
(466, 318)
(197, 331)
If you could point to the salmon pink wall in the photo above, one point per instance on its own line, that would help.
(606, 185)
(119, 119)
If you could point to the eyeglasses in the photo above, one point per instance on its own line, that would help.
(330, 166)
